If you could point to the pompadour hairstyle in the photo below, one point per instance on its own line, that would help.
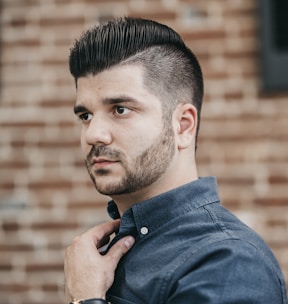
(171, 70)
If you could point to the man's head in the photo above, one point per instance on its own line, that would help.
(139, 91)
(172, 71)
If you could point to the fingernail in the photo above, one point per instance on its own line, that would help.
(129, 242)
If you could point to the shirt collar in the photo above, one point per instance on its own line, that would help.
(149, 215)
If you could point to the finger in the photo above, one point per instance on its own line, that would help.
(101, 233)
(119, 249)
(103, 242)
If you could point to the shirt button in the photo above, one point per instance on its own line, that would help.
(144, 230)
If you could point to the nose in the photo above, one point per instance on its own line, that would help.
(98, 131)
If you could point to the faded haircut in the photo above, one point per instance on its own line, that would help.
(171, 70)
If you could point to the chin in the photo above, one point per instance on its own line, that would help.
(108, 188)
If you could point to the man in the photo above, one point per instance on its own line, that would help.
(139, 96)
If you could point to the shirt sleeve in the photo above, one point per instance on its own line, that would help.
(227, 272)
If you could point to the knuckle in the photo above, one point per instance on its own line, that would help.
(76, 239)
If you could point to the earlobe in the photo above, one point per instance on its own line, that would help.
(187, 125)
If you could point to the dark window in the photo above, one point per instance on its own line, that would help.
(274, 44)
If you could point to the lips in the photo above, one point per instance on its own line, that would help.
(102, 162)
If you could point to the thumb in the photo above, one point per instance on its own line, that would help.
(120, 248)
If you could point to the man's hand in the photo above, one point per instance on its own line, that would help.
(88, 274)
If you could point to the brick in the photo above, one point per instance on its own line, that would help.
(32, 267)
(277, 201)
(278, 179)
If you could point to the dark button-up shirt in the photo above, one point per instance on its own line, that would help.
(190, 249)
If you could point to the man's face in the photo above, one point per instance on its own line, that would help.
(126, 146)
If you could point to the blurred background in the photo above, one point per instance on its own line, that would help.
(46, 196)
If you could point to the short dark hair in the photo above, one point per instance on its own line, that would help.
(172, 71)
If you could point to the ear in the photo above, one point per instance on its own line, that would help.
(186, 121)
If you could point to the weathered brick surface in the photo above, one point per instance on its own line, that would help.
(45, 194)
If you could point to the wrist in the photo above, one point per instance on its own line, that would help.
(90, 301)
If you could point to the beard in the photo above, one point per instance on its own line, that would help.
(141, 172)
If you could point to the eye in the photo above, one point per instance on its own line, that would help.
(85, 116)
(120, 110)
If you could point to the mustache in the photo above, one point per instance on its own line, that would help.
(102, 151)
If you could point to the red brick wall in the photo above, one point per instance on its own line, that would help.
(45, 194)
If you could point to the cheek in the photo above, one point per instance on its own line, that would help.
(143, 140)
(84, 145)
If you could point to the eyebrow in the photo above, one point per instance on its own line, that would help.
(79, 109)
(108, 101)
(119, 99)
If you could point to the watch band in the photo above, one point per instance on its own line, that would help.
(89, 301)
(94, 301)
